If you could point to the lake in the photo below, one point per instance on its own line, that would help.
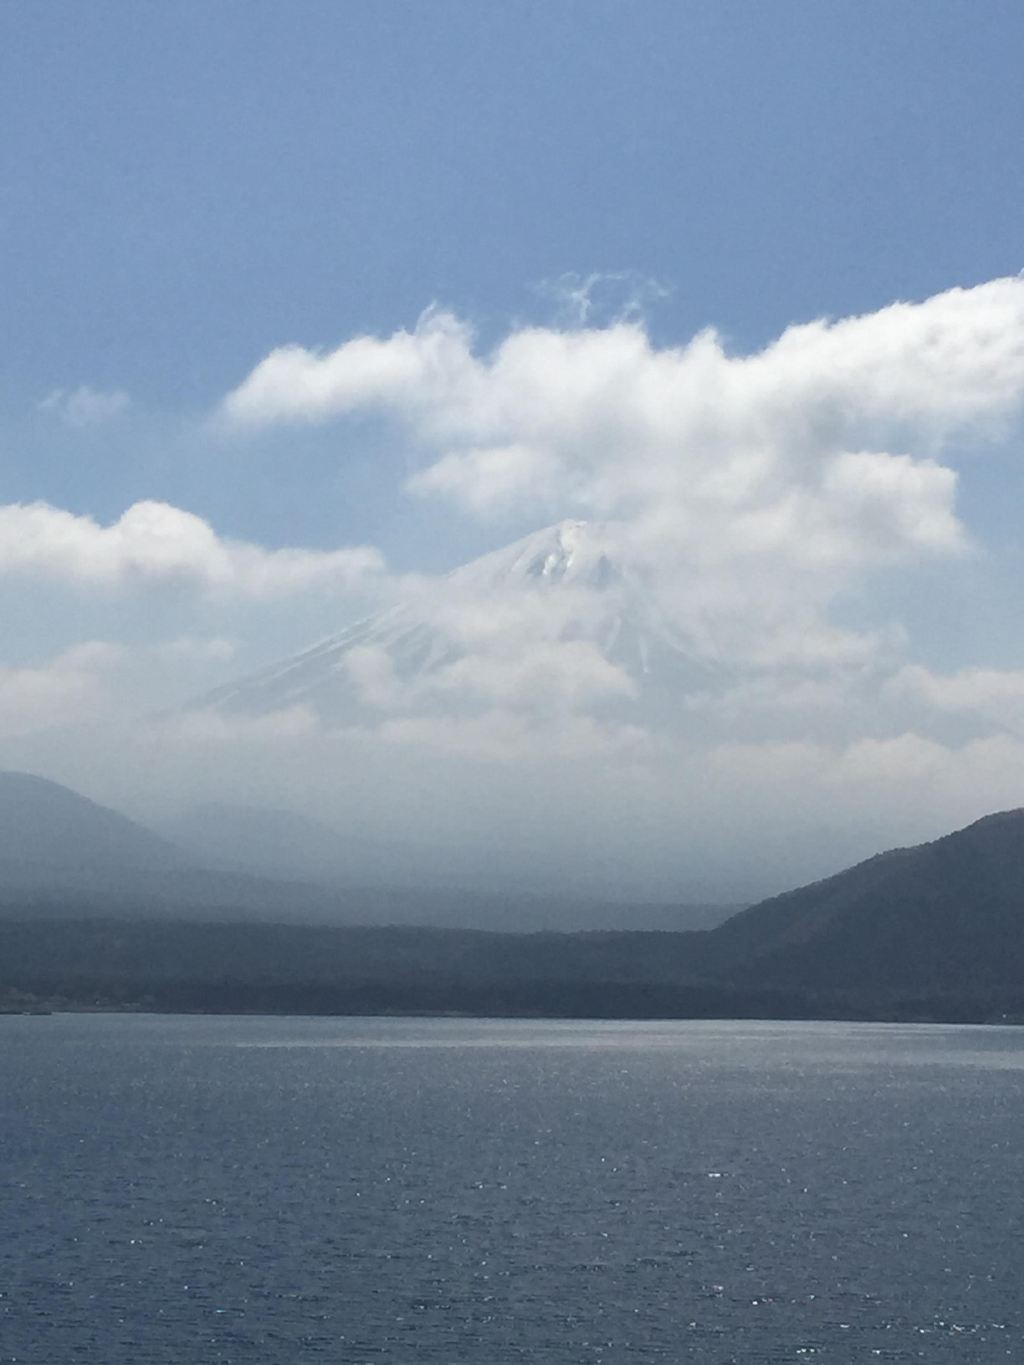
(268, 1191)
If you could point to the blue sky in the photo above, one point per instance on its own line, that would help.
(188, 184)
(189, 187)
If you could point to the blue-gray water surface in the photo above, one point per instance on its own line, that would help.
(195, 1191)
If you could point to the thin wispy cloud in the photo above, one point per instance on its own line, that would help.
(85, 406)
(601, 297)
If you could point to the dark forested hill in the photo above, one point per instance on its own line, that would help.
(944, 917)
(233, 967)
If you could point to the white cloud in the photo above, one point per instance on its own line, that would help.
(882, 507)
(154, 543)
(990, 694)
(71, 687)
(85, 406)
(964, 690)
(507, 736)
(612, 294)
(95, 682)
(755, 487)
(488, 479)
(297, 385)
(907, 786)
(932, 367)
(470, 651)
(202, 727)
(371, 671)
(546, 676)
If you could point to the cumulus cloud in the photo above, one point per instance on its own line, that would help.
(766, 479)
(85, 406)
(556, 676)
(153, 543)
(70, 687)
(97, 682)
(410, 368)
(539, 677)
(904, 786)
(990, 694)
(932, 366)
(489, 479)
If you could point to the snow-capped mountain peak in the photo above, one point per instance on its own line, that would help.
(561, 603)
(576, 552)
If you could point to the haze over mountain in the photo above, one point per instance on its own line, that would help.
(275, 842)
(43, 824)
(62, 853)
(933, 932)
(412, 883)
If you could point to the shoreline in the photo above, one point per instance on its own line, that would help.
(905, 1020)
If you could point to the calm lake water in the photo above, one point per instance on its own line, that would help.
(194, 1191)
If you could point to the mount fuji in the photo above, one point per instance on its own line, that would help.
(570, 597)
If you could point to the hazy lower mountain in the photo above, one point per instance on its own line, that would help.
(43, 824)
(61, 853)
(273, 842)
(945, 917)
(576, 575)
(406, 883)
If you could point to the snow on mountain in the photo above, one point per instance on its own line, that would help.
(563, 617)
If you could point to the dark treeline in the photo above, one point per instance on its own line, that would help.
(256, 968)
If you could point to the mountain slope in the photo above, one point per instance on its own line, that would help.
(43, 824)
(945, 917)
(261, 840)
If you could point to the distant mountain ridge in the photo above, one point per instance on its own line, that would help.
(45, 824)
(61, 853)
(282, 844)
(263, 840)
